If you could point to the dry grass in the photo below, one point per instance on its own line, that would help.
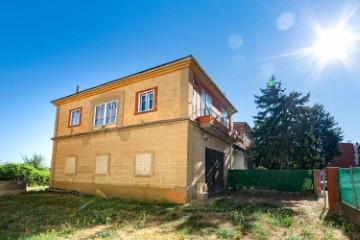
(232, 215)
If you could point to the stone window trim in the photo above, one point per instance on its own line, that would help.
(70, 113)
(106, 173)
(105, 113)
(137, 95)
(107, 97)
(150, 163)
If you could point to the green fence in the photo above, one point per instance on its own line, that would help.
(279, 180)
(349, 185)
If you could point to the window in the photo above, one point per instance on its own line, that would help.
(105, 113)
(75, 117)
(195, 98)
(206, 102)
(224, 118)
(146, 101)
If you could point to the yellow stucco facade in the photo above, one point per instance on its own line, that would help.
(158, 154)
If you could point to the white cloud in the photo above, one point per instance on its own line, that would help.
(235, 41)
(285, 21)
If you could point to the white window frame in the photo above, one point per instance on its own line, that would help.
(147, 108)
(105, 112)
(195, 104)
(225, 119)
(205, 110)
(71, 116)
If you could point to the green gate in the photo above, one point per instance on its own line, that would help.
(279, 180)
(349, 186)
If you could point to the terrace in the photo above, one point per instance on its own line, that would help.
(213, 123)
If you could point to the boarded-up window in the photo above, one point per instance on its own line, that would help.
(70, 165)
(143, 162)
(102, 164)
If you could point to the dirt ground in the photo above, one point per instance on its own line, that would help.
(314, 209)
(239, 214)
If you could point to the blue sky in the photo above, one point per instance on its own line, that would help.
(49, 47)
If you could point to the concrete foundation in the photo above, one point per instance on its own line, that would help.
(12, 187)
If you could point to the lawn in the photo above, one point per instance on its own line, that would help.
(235, 215)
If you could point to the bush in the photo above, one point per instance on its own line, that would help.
(26, 173)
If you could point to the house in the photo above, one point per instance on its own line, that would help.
(163, 133)
(347, 158)
(245, 133)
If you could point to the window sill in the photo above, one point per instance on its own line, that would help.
(74, 126)
(104, 127)
(152, 110)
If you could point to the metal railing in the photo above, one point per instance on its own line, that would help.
(216, 117)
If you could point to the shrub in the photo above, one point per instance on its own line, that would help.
(26, 173)
(226, 232)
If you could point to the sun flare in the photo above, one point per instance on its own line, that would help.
(333, 44)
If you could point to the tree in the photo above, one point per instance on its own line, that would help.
(289, 134)
(327, 135)
(37, 161)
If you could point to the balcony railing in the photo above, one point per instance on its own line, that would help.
(207, 117)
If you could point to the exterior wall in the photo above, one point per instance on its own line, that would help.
(239, 160)
(357, 153)
(244, 132)
(167, 142)
(347, 158)
(171, 103)
(196, 156)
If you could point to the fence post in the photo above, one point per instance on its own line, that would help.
(332, 184)
(353, 187)
(317, 181)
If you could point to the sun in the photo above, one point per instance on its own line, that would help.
(336, 44)
(333, 45)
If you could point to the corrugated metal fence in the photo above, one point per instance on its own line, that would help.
(349, 186)
(279, 180)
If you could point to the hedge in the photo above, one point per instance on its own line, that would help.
(26, 173)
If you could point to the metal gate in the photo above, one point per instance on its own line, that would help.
(214, 170)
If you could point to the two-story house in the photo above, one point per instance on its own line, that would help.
(163, 133)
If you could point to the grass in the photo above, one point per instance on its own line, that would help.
(44, 215)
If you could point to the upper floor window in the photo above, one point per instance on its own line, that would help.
(206, 103)
(75, 117)
(146, 101)
(105, 113)
(224, 118)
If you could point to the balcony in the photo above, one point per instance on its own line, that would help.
(213, 123)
